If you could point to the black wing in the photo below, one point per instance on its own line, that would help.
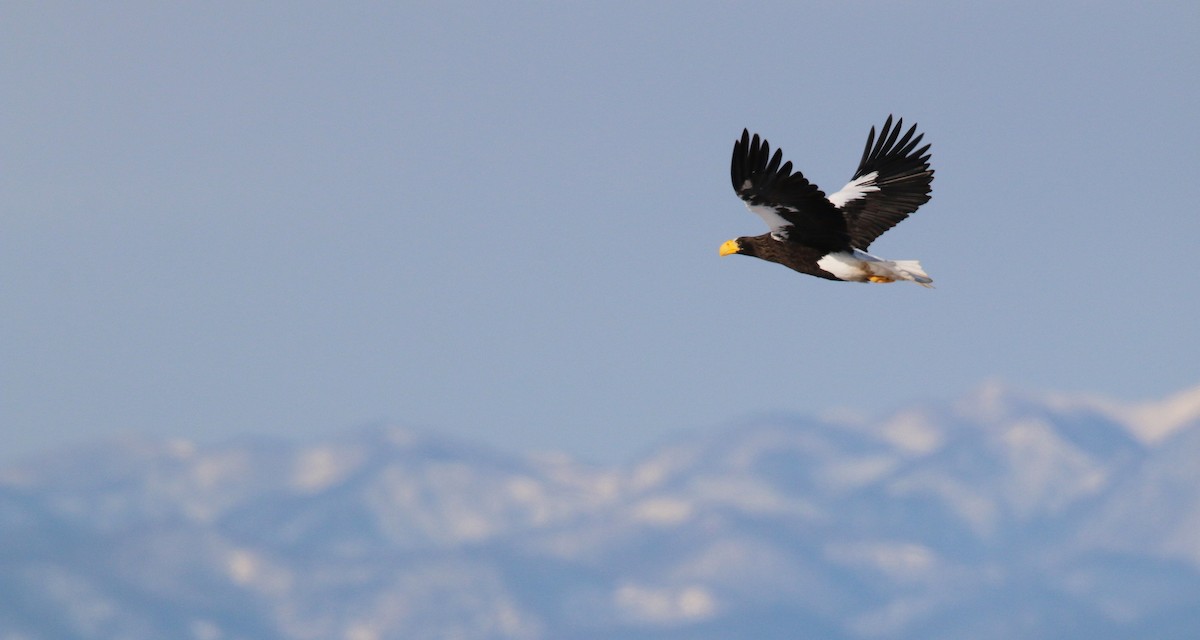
(901, 183)
(794, 209)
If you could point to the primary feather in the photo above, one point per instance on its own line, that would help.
(892, 180)
(793, 208)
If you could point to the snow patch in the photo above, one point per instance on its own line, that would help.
(853, 473)
(213, 469)
(1150, 422)
(897, 560)
(321, 467)
(662, 511)
(664, 605)
(249, 569)
(914, 433)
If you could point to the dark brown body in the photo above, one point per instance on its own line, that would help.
(795, 256)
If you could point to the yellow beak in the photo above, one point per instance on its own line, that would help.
(729, 246)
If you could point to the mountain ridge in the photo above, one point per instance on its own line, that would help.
(1003, 513)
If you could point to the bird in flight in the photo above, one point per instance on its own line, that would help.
(828, 236)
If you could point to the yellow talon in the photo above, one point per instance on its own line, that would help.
(881, 279)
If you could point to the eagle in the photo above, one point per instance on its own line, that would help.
(828, 236)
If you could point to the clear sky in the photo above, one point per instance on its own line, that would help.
(500, 220)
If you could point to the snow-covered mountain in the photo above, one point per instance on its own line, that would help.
(1001, 515)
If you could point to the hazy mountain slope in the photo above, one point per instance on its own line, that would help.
(1001, 515)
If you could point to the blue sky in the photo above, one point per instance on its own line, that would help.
(500, 221)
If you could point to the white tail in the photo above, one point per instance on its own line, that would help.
(910, 270)
(860, 266)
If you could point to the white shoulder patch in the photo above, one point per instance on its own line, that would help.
(855, 189)
(769, 216)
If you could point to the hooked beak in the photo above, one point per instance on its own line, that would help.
(729, 247)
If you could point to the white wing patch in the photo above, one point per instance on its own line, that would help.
(769, 216)
(855, 189)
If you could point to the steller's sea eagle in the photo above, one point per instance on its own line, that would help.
(824, 236)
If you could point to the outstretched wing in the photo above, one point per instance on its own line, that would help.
(795, 209)
(892, 180)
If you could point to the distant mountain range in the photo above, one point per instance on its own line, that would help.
(1002, 515)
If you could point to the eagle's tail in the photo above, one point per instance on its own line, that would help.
(860, 266)
(892, 270)
(905, 270)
